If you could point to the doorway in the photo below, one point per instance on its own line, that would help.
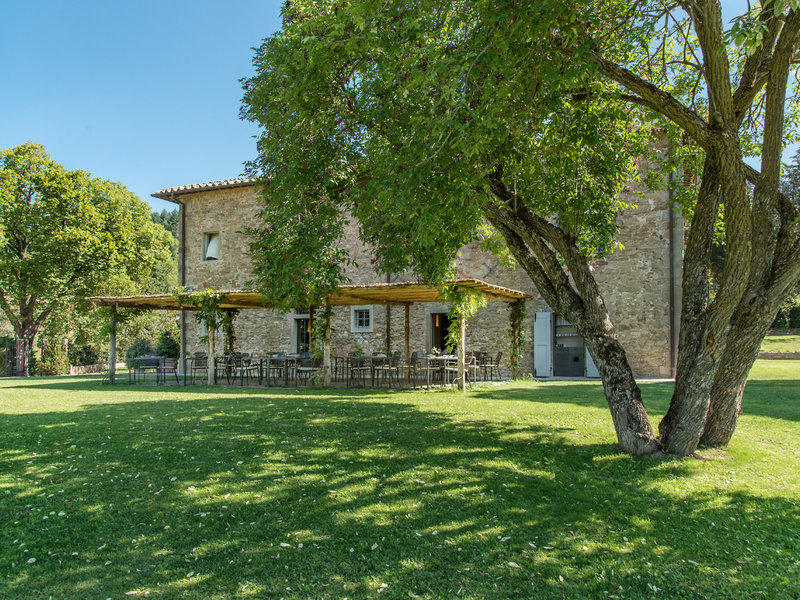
(302, 335)
(439, 325)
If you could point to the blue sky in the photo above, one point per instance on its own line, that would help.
(145, 93)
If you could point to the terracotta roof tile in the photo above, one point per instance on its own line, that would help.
(170, 193)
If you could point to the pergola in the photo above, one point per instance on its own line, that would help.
(395, 294)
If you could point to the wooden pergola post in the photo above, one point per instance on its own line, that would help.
(112, 346)
(311, 329)
(212, 361)
(408, 332)
(462, 329)
(326, 347)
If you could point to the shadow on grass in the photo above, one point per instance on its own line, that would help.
(331, 495)
(774, 398)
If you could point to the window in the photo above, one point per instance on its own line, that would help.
(211, 246)
(361, 319)
(217, 332)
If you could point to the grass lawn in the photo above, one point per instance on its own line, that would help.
(514, 491)
(788, 341)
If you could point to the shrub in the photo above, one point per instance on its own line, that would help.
(54, 358)
(794, 317)
(83, 354)
(167, 345)
(34, 366)
(780, 322)
(138, 348)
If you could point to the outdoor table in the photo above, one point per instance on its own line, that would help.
(438, 362)
(143, 364)
(285, 362)
(358, 364)
(376, 361)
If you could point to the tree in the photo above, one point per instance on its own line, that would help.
(726, 91)
(168, 219)
(64, 236)
(415, 122)
(790, 184)
(421, 120)
(210, 315)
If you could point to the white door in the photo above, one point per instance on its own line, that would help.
(543, 344)
(591, 369)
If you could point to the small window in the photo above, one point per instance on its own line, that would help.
(361, 319)
(204, 332)
(211, 246)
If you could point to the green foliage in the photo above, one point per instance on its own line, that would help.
(138, 348)
(83, 354)
(33, 362)
(398, 117)
(781, 321)
(168, 219)
(55, 360)
(464, 302)
(64, 236)
(228, 320)
(168, 346)
(794, 317)
(209, 312)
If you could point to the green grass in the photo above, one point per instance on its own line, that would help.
(781, 342)
(514, 491)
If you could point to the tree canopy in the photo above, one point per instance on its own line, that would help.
(65, 235)
(434, 123)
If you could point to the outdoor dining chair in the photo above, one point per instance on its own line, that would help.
(199, 365)
(494, 364)
(166, 366)
(248, 367)
(357, 368)
(306, 367)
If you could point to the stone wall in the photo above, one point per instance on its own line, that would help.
(635, 281)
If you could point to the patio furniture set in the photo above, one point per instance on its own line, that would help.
(354, 370)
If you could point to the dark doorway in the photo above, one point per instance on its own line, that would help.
(569, 352)
(302, 334)
(439, 324)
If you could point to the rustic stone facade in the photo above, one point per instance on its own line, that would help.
(639, 283)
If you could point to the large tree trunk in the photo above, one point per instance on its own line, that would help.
(777, 253)
(25, 333)
(704, 329)
(744, 342)
(773, 260)
(634, 432)
(22, 355)
(539, 247)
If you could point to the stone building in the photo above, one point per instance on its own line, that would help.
(640, 282)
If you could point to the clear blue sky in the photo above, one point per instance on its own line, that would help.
(145, 93)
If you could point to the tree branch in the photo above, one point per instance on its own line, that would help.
(656, 99)
(786, 209)
(707, 18)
